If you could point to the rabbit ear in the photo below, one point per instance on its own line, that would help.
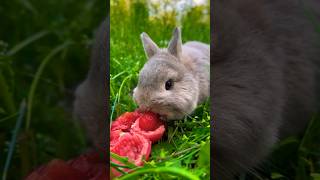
(150, 48)
(175, 43)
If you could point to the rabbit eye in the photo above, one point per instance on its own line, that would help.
(169, 84)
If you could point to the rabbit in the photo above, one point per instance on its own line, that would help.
(265, 66)
(90, 104)
(174, 80)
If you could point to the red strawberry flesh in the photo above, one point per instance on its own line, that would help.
(131, 136)
(149, 121)
(125, 121)
(133, 146)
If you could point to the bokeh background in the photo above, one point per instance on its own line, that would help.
(44, 55)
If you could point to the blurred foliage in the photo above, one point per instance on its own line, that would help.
(298, 157)
(186, 143)
(30, 31)
(293, 158)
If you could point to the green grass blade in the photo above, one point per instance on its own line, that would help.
(184, 174)
(122, 84)
(113, 108)
(29, 6)
(13, 139)
(37, 77)
(26, 42)
(8, 117)
(123, 160)
(5, 96)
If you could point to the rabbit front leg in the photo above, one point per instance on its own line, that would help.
(240, 142)
(246, 116)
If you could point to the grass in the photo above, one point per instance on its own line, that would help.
(183, 152)
(39, 64)
(296, 157)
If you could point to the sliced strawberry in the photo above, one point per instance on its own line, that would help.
(153, 136)
(133, 146)
(131, 135)
(57, 169)
(92, 164)
(125, 121)
(89, 166)
(114, 136)
(149, 121)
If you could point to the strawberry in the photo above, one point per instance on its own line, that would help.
(133, 146)
(125, 121)
(131, 136)
(149, 121)
(153, 136)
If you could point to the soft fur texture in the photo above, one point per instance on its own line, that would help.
(91, 95)
(264, 64)
(186, 65)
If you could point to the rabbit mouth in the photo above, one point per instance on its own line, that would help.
(175, 115)
(165, 114)
(163, 117)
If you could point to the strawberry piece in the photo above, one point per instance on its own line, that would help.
(90, 166)
(133, 146)
(56, 169)
(114, 136)
(149, 121)
(153, 136)
(125, 121)
(131, 136)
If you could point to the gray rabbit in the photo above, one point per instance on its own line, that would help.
(174, 80)
(264, 64)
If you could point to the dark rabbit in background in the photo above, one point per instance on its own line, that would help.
(264, 64)
(90, 105)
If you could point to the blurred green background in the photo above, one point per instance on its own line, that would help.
(57, 34)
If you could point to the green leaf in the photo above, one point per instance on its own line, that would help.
(39, 72)
(204, 155)
(276, 176)
(178, 172)
(315, 176)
